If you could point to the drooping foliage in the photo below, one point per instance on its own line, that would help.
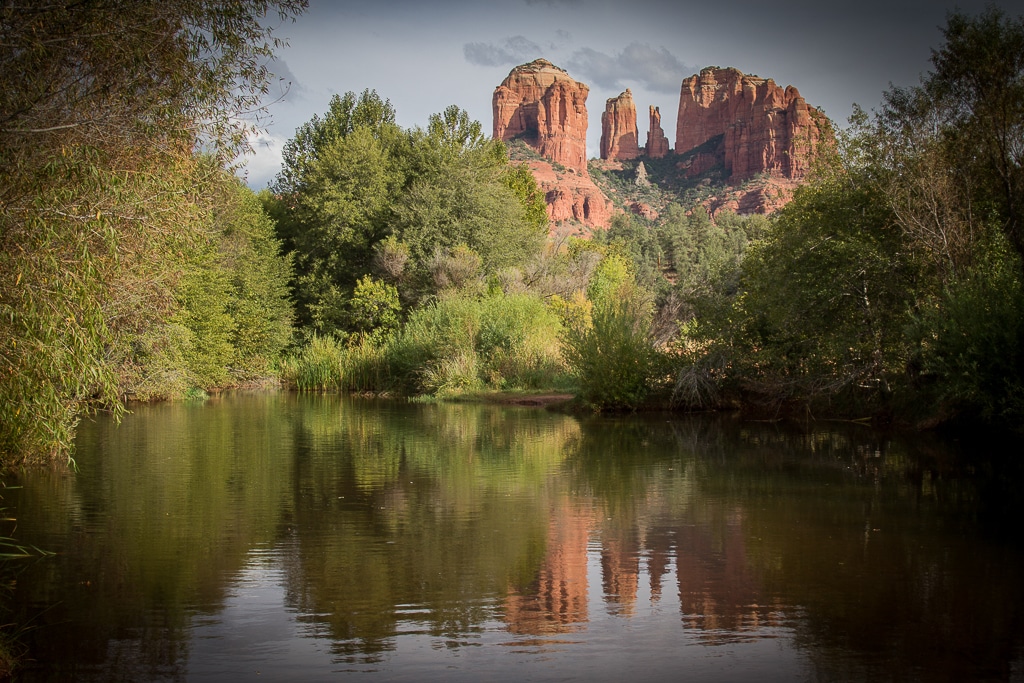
(104, 198)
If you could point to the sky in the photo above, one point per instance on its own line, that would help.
(424, 56)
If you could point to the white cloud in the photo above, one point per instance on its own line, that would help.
(655, 68)
(514, 50)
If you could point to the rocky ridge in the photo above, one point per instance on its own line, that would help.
(749, 124)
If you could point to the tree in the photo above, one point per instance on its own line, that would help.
(345, 114)
(103, 189)
(951, 151)
(978, 83)
(358, 194)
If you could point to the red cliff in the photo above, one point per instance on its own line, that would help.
(657, 143)
(764, 128)
(575, 204)
(542, 105)
(619, 139)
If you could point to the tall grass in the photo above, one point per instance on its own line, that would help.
(325, 364)
(458, 343)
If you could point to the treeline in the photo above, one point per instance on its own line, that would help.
(132, 263)
(417, 261)
(892, 285)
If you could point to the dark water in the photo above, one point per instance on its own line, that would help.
(303, 538)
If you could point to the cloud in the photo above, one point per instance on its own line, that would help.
(656, 68)
(514, 50)
(263, 162)
(562, 37)
(285, 82)
(554, 2)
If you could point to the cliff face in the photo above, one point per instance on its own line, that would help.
(575, 204)
(657, 143)
(764, 128)
(542, 105)
(619, 139)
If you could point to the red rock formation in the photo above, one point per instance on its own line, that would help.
(573, 199)
(619, 138)
(764, 128)
(657, 143)
(542, 105)
(644, 210)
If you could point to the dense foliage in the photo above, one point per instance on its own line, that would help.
(421, 209)
(106, 205)
(892, 285)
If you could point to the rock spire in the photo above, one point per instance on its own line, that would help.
(619, 138)
(657, 143)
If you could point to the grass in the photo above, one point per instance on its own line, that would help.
(454, 345)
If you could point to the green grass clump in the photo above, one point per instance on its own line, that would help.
(326, 364)
(459, 343)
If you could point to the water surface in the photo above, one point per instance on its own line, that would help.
(280, 537)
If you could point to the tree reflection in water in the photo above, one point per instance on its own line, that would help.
(403, 536)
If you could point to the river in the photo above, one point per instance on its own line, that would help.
(284, 537)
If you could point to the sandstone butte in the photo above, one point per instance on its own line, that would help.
(546, 108)
(764, 128)
(619, 138)
(542, 105)
(657, 143)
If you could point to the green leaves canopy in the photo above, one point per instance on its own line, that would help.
(356, 188)
(103, 193)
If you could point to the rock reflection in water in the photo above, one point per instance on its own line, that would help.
(556, 602)
(439, 542)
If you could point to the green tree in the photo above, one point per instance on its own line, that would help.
(642, 245)
(258, 297)
(375, 308)
(103, 191)
(358, 195)
(345, 113)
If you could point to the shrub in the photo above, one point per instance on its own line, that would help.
(613, 357)
(972, 349)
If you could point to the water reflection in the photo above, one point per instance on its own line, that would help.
(302, 536)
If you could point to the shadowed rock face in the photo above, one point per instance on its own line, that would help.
(619, 139)
(764, 128)
(542, 105)
(657, 143)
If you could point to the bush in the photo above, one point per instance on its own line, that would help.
(510, 341)
(613, 357)
(972, 348)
